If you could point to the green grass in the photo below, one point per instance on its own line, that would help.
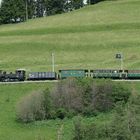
(10, 129)
(86, 38)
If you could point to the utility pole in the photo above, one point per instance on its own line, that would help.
(120, 57)
(26, 8)
(121, 61)
(53, 62)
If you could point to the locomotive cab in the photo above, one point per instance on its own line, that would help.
(21, 74)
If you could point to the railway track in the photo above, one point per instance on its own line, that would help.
(122, 80)
(28, 82)
(55, 81)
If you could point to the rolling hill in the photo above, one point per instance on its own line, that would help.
(85, 38)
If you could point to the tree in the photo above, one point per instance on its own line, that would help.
(94, 1)
(12, 11)
(31, 8)
(60, 6)
(77, 4)
(40, 8)
(54, 6)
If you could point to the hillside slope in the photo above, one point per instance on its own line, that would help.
(85, 38)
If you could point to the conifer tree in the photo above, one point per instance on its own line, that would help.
(12, 11)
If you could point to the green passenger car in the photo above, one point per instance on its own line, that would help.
(77, 73)
(133, 74)
(115, 74)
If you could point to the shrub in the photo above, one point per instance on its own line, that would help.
(31, 108)
(88, 131)
(87, 96)
(105, 94)
(101, 95)
(66, 95)
(78, 128)
(49, 112)
(120, 92)
(125, 124)
(71, 97)
(61, 113)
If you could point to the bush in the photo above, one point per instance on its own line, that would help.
(105, 94)
(88, 131)
(67, 95)
(78, 128)
(87, 96)
(61, 113)
(31, 107)
(125, 124)
(71, 97)
(120, 93)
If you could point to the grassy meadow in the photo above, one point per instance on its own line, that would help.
(10, 129)
(86, 38)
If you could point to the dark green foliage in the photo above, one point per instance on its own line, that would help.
(31, 8)
(54, 6)
(12, 11)
(61, 113)
(76, 4)
(71, 97)
(126, 123)
(124, 126)
(87, 96)
(94, 1)
(60, 6)
(88, 132)
(78, 128)
(101, 95)
(120, 93)
(48, 104)
(107, 93)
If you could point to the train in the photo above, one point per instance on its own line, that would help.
(23, 75)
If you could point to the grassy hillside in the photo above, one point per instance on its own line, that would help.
(86, 38)
(10, 129)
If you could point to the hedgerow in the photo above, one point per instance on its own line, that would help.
(71, 97)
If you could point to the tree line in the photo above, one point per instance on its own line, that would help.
(13, 11)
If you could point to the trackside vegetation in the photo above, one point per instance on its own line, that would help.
(12, 129)
(125, 124)
(72, 97)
